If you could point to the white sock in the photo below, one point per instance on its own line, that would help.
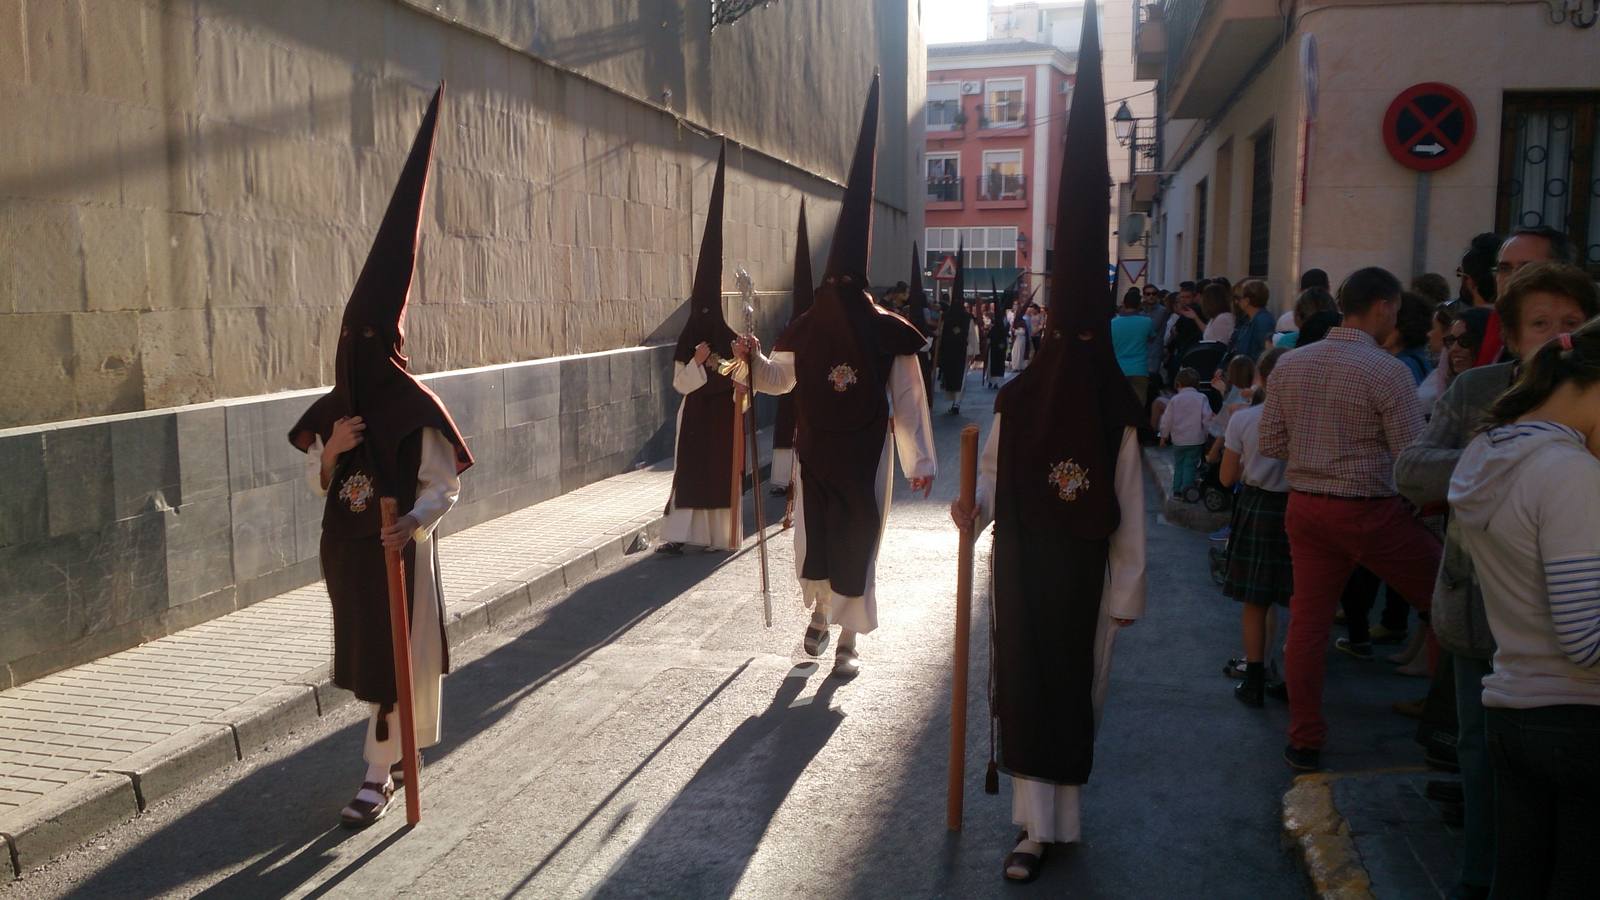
(377, 773)
(1025, 846)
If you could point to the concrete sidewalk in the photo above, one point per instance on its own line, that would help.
(92, 746)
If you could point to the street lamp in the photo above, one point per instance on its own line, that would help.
(1122, 124)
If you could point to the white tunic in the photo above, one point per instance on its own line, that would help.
(1050, 812)
(720, 529)
(911, 432)
(438, 488)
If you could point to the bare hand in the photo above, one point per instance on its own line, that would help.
(1123, 623)
(347, 435)
(702, 352)
(923, 484)
(746, 346)
(965, 515)
(396, 536)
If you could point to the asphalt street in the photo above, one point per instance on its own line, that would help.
(646, 736)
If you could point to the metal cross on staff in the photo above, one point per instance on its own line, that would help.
(747, 290)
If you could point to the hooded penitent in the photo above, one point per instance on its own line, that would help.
(703, 473)
(844, 348)
(999, 334)
(783, 436)
(953, 328)
(845, 344)
(372, 380)
(919, 297)
(1062, 421)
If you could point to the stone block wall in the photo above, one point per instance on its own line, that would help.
(120, 529)
(190, 186)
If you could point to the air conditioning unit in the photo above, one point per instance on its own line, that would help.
(1064, 88)
(971, 88)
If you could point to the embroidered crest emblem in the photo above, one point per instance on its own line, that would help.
(1070, 480)
(842, 377)
(356, 492)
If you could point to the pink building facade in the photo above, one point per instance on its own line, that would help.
(996, 126)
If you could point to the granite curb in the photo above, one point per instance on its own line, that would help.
(40, 831)
(56, 823)
(1322, 840)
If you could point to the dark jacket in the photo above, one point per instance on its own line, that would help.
(1423, 472)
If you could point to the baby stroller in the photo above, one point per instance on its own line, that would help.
(1205, 358)
(1208, 488)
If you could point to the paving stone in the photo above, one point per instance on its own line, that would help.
(178, 707)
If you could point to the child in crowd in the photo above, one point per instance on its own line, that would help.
(1183, 425)
(1237, 386)
(1260, 574)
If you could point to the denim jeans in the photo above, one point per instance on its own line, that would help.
(1185, 459)
(1547, 794)
(1477, 776)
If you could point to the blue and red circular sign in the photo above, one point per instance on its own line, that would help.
(1429, 126)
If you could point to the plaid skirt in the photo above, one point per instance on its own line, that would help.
(1260, 571)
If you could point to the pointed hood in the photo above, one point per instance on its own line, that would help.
(804, 287)
(955, 317)
(852, 239)
(1079, 298)
(706, 322)
(786, 423)
(372, 377)
(918, 299)
(844, 343)
(1060, 467)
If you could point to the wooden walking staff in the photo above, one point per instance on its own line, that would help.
(400, 631)
(956, 775)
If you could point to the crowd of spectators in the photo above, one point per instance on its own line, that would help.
(1433, 455)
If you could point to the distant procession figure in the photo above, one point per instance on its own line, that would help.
(1065, 493)
(958, 342)
(783, 460)
(381, 433)
(994, 372)
(858, 398)
(708, 368)
(922, 319)
(1021, 339)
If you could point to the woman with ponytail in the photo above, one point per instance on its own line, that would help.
(1526, 498)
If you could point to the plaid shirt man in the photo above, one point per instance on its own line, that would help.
(1340, 411)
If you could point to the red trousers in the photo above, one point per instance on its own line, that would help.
(1328, 539)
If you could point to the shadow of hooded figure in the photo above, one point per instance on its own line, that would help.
(702, 843)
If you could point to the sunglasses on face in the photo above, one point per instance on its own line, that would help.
(1451, 340)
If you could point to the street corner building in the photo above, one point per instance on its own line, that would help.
(190, 192)
(1279, 147)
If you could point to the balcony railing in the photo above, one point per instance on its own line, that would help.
(1212, 46)
(944, 189)
(1150, 41)
(1002, 115)
(998, 186)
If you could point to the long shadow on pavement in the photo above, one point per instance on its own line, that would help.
(701, 845)
(275, 821)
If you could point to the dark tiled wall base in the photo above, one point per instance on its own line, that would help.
(117, 530)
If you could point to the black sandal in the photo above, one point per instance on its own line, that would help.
(816, 640)
(397, 772)
(362, 813)
(1029, 863)
(670, 548)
